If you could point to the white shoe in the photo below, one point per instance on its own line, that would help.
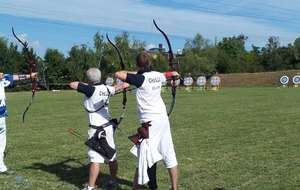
(3, 168)
(86, 188)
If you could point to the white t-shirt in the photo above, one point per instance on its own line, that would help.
(5, 82)
(148, 96)
(100, 98)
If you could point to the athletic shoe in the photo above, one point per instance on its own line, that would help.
(86, 188)
(3, 169)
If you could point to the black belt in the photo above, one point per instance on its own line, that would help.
(112, 122)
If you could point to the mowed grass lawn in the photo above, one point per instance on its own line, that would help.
(237, 138)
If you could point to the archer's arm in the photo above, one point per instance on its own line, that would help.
(84, 88)
(131, 78)
(122, 75)
(18, 77)
(170, 74)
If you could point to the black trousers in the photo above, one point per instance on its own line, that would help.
(152, 177)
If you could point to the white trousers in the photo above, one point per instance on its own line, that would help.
(161, 142)
(159, 146)
(94, 156)
(2, 143)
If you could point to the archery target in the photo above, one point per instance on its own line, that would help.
(284, 80)
(201, 81)
(109, 81)
(188, 81)
(296, 79)
(215, 81)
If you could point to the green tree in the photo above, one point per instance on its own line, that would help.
(231, 52)
(80, 59)
(100, 47)
(199, 57)
(10, 59)
(297, 48)
(253, 60)
(197, 43)
(54, 69)
(272, 60)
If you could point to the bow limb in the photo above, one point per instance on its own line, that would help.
(24, 44)
(123, 68)
(172, 66)
(170, 51)
(118, 51)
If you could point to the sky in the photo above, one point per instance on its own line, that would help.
(61, 24)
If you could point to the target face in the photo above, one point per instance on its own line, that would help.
(296, 79)
(201, 81)
(284, 80)
(215, 81)
(188, 81)
(109, 81)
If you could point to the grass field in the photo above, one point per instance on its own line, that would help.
(237, 138)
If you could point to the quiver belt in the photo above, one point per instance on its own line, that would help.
(142, 133)
(114, 122)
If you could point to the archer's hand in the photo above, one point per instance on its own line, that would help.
(122, 75)
(74, 85)
(175, 74)
(121, 86)
(34, 75)
(125, 85)
(1, 76)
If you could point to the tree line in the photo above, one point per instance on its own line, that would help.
(199, 56)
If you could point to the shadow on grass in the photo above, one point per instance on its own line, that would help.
(74, 172)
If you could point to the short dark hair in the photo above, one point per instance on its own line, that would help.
(143, 60)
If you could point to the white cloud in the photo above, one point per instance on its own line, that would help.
(149, 46)
(35, 44)
(22, 37)
(133, 15)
